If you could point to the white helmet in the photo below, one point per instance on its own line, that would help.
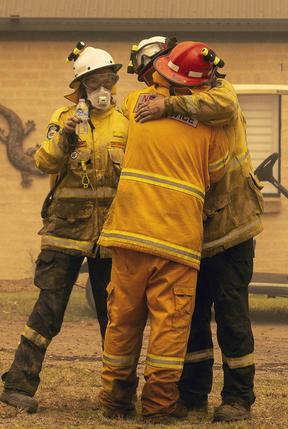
(143, 55)
(91, 59)
(152, 41)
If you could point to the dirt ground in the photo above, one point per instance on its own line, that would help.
(71, 373)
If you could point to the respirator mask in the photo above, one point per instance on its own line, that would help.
(100, 98)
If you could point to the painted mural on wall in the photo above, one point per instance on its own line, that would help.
(21, 159)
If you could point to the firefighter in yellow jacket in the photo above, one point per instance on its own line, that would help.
(154, 228)
(86, 165)
(233, 209)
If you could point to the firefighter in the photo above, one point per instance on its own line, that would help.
(87, 167)
(154, 228)
(233, 209)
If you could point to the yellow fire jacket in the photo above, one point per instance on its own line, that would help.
(169, 164)
(233, 206)
(91, 173)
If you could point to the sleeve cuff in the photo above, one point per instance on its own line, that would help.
(168, 106)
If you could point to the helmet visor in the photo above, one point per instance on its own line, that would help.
(145, 55)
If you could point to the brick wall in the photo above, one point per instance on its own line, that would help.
(34, 77)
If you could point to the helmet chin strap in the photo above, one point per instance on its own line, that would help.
(175, 89)
(220, 75)
(179, 90)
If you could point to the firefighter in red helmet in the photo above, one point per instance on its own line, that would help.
(155, 231)
(229, 227)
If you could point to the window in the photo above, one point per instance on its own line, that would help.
(263, 116)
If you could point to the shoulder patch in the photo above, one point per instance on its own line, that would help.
(143, 98)
(52, 130)
(185, 119)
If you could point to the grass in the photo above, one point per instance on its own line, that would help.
(21, 304)
(262, 309)
(73, 404)
(69, 389)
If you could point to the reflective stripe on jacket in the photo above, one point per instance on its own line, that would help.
(168, 166)
(233, 207)
(81, 201)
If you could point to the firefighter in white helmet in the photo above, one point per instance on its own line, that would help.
(143, 55)
(86, 161)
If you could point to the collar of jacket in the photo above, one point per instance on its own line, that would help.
(101, 114)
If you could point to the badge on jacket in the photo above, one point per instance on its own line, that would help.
(185, 119)
(74, 155)
(52, 130)
(143, 98)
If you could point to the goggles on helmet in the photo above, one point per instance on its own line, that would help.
(141, 60)
(145, 55)
(108, 80)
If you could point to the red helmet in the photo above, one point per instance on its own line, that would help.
(188, 64)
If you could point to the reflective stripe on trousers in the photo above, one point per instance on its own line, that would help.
(35, 337)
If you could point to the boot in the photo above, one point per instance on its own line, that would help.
(180, 412)
(19, 400)
(120, 403)
(228, 412)
(118, 413)
(198, 403)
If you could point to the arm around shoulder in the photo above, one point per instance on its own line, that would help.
(217, 106)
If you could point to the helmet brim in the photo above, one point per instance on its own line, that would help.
(76, 82)
(161, 65)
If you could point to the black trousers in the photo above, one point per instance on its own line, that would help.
(55, 275)
(223, 281)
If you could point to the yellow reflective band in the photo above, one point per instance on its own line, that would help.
(239, 362)
(150, 243)
(35, 337)
(164, 361)
(220, 163)
(239, 159)
(243, 155)
(66, 243)
(163, 181)
(119, 361)
(199, 356)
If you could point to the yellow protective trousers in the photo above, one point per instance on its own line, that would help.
(146, 285)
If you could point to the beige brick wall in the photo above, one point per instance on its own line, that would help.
(34, 77)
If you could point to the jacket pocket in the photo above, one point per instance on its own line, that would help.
(183, 306)
(256, 194)
(72, 219)
(118, 140)
(218, 219)
(215, 204)
(116, 157)
(76, 157)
